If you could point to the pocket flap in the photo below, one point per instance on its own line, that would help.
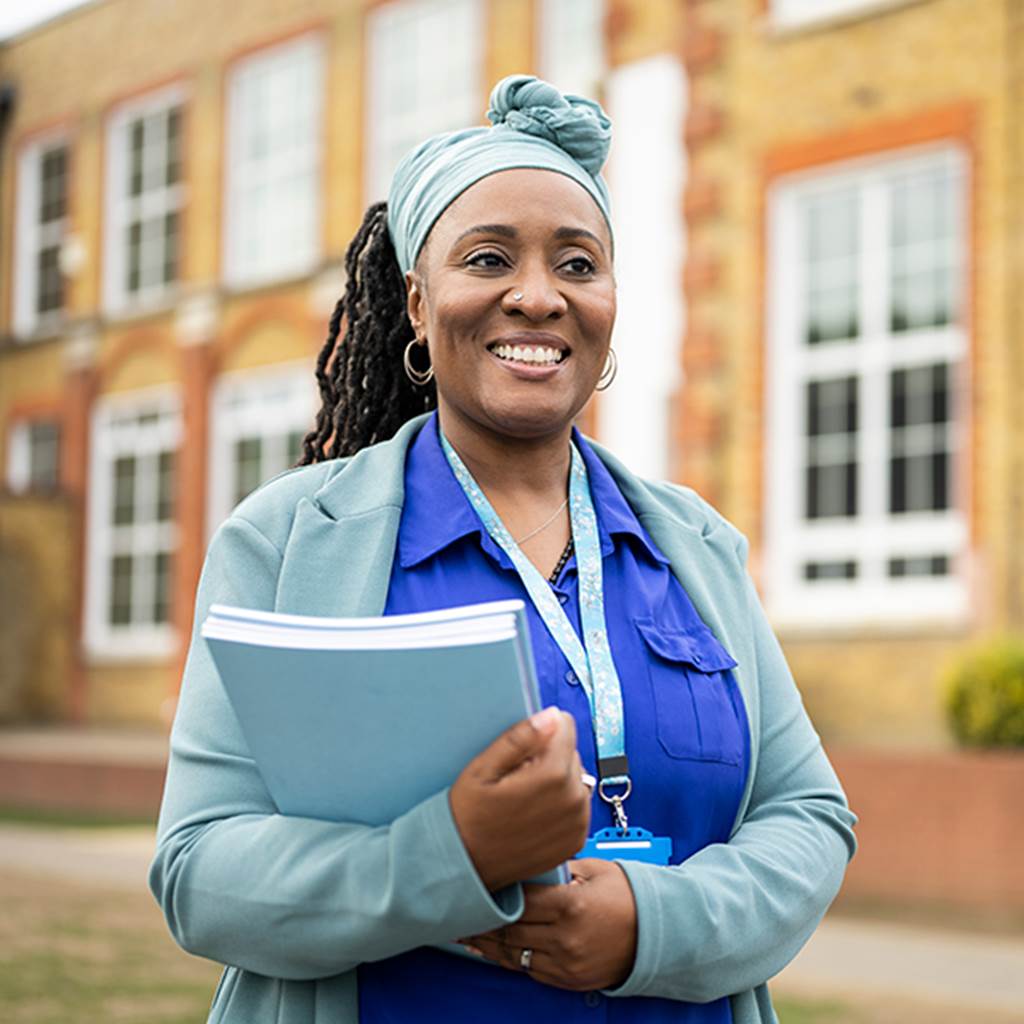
(697, 646)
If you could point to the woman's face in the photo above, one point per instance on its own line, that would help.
(516, 367)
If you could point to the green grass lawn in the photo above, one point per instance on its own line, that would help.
(74, 954)
(71, 954)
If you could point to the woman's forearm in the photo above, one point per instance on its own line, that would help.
(301, 898)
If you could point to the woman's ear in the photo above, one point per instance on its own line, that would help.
(414, 301)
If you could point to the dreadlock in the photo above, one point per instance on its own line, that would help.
(365, 393)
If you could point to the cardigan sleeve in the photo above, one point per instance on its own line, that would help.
(735, 913)
(285, 896)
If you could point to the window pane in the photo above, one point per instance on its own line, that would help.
(124, 490)
(53, 185)
(120, 611)
(173, 168)
(831, 447)
(134, 256)
(162, 587)
(840, 570)
(294, 447)
(831, 244)
(248, 466)
(135, 152)
(925, 242)
(165, 487)
(920, 565)
(171, 240)
(44, 450)
(50, 283)
(920, 439)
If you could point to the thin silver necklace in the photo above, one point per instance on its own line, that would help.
(546, 523)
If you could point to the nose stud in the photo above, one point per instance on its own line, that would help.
(518, 296)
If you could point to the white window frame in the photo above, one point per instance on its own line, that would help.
(31, 236)
(786, 15)
(437, 103)
(19, 456)
(118, 205)
(137, 641)
(242, 179)
(573, 68)
(267, 402)
(873, 599)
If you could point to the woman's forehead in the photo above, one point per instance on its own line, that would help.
(520, 198)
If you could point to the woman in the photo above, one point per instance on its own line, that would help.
(485, 288)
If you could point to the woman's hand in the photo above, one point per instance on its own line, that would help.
(521, 806)
(583, 935)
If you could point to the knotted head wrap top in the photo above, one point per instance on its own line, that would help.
(532, 125)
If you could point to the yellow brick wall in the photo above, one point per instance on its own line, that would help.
(789, 89)
(73, 71)
(36, 606)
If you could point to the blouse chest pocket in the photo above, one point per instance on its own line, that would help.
(696, 717)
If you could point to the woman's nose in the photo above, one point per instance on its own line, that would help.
(536, 295)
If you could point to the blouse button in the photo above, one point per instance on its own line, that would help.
(571, 678)
(562, 598)
(592, 999)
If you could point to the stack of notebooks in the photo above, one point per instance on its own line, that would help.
(359, 720)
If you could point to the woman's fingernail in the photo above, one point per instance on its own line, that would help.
(545, 720)
(472, 949)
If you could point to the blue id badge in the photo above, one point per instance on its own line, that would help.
(628, 844)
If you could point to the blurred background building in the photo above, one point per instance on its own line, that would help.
(820, 215)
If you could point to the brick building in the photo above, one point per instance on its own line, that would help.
(819, 209)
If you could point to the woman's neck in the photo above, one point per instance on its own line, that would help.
(519, 471)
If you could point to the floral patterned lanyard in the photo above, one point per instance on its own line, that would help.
(591, 660)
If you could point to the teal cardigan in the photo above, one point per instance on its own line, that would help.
(293, 905)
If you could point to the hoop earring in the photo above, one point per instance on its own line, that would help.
(419, 377)
(604, 382)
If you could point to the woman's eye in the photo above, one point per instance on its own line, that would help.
(580, 265)
(487, 260)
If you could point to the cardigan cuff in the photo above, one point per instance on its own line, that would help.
(482, 910)
(648, 929)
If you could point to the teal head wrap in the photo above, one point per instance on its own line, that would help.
(532, 125)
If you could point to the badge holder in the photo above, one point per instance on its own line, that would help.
(628, 844)
(620, 842)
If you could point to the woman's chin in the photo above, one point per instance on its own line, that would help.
(533, 418)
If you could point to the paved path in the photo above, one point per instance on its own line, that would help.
(853, 957)
(844, 957)
(115, 857)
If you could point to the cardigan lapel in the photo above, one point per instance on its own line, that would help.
(338, 558)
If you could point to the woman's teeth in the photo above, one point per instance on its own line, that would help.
(526, 354)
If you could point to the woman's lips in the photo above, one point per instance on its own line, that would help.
(530, 362)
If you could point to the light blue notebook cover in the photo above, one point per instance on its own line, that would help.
(364, 735)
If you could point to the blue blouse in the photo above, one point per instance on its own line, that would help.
(686, 728)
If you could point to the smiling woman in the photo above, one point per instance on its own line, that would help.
(483, 294)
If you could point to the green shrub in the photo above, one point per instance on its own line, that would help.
(985, 695)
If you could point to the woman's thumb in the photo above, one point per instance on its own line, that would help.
(522, 741)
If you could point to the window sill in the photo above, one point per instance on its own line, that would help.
(238, 286)
(152, 649)
(144, 309)
(774, 27)
(50, 329)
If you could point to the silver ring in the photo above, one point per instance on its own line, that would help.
(525, 959)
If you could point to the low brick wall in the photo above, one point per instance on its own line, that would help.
(128, 790)
(935, 829)
(945, 829)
